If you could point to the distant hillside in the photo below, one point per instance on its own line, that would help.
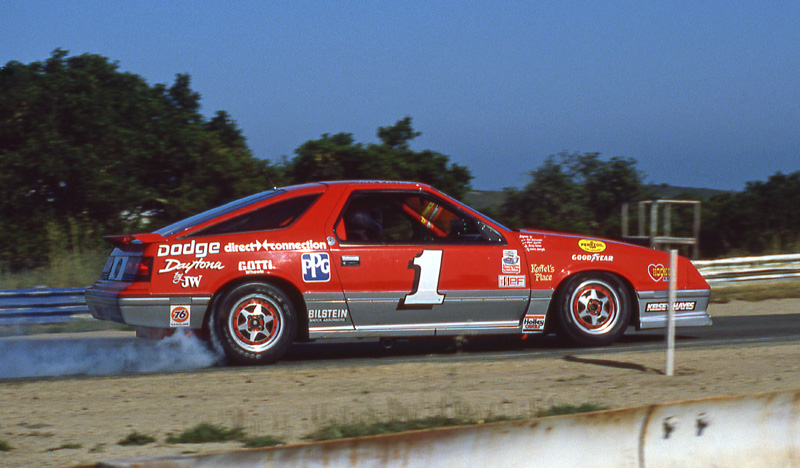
(671, 191)
(482, 199)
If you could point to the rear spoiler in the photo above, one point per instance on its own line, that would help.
(123, 241)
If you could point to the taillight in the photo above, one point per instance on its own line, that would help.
(144, 269)
(128, 268)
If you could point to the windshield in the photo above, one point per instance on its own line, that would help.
(192, 221)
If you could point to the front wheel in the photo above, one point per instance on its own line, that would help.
(254, 323)
(593, 309)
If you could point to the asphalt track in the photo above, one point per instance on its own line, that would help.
(128, 355)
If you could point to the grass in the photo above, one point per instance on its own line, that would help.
(364, 429)
(262, 441)
(136, 439)
(558, 410)
(64, 270)
(371, 427)
(205, 433)
(756, 291)
(5, 446)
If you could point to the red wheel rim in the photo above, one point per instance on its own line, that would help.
(255, 323)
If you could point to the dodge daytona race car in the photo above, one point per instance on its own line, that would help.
(379, 259)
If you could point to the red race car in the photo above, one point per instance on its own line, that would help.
(379, 259)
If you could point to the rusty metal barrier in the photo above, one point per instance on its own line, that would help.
(750, 431)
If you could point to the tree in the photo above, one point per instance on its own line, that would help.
(336, 157)
(574, 192)
(84, 143)
(398, 135)
(764, 218)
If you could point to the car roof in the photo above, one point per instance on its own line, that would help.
(377, 183)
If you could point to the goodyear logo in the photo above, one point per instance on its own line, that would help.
(592, 246)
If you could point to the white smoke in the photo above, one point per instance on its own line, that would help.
(51, 357)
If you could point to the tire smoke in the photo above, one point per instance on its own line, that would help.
(51, 357)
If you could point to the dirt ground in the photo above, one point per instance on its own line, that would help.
(69, 421)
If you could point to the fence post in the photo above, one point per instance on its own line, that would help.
(673, 282)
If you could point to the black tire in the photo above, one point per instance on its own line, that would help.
(593, 309)
(254, 323)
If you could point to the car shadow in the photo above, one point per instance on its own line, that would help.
(373, 348)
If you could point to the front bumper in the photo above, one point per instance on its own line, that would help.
(691, 308)
(106, 302)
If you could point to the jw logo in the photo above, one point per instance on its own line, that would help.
(186, 281)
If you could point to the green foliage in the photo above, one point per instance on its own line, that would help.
(85, 145)
(337, 157)
(574, 192)
(364, 429)
(205, 433)
(763, 219)
(262, 441)
(557, 410)
(335, 430)
(5, 446)
(755, 291)
(136, 439)
(87, 148)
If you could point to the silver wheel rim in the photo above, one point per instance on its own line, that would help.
(594, 307)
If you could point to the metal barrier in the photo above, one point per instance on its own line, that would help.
(769, 267)
(28, 306)
(750, 431)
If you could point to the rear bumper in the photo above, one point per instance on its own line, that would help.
(106, 303)
(691, 308)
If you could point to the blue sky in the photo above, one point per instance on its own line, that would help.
(703, 94)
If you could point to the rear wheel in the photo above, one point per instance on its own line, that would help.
(254, 323)
(593, 309)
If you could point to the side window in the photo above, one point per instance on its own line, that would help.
(273, 216)
(409, 218)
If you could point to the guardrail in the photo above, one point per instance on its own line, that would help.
(26, 306)
(29, 306)
(769, 267)
(749, 431)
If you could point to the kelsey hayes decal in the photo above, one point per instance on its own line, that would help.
(592, 246)
(664, 306)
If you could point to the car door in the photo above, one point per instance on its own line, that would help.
(412, 263)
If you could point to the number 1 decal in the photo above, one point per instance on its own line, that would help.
(428, 265)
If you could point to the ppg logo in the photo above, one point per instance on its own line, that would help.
(316, 267)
